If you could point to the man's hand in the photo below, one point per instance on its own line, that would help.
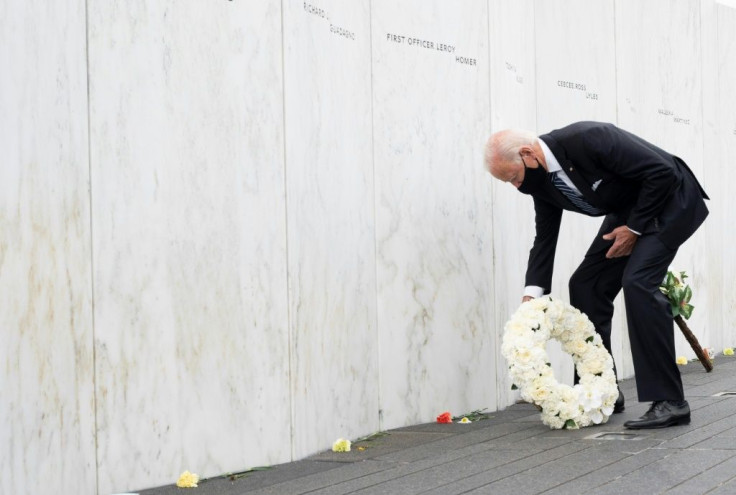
(623, 242)
(526, 298)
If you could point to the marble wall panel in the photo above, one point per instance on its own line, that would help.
(658, 75)
(713, 175)
(720, 178)
(576, 80)
(575, 56)
(330, 197)
(46, 360)
(433, 209)
(659, 82)
(189, 241)
(512, 65)
(513, 105)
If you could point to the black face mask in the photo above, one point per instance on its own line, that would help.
(534, 178)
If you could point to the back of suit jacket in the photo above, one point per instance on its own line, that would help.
(633, 182)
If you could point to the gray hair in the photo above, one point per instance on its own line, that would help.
(503, 146)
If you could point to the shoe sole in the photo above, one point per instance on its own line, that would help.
(676, 422)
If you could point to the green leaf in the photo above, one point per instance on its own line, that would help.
(514, 387)
(590, 339)
(688, 294)
(687, 310)
(676, 294)
(675, 310)
(570, 423)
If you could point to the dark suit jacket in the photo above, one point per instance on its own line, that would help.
(632, 181)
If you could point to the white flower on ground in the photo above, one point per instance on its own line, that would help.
(187, 480)
(341, 445)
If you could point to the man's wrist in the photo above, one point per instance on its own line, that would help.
(533, 291)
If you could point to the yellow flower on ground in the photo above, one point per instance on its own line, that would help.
(187, 480)
(682, 360)
(341, 445)
(728, 351)
(465, 421)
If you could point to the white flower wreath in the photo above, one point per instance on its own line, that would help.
(524, 347)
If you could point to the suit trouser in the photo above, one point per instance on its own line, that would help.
(594, 286)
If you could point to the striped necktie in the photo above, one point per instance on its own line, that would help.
(575, 198)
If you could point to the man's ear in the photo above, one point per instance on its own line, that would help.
(526, 150)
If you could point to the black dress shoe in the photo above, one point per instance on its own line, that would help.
(661, 414)
(618, 406)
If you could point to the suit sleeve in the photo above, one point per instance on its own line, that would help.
(634, 159)
(547, 219)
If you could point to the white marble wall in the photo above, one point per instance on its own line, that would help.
(719, 179)
(514, 105)
(266, 225)
(433, 218)
(712, 178)
(189, 244)
(330, 219)
(46, 361)
(659, 82)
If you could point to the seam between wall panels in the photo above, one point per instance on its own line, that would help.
(615, 61)
(91, 248)
(375, 225)
(286, 239)
(492, 285)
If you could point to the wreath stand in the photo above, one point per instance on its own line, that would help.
(693, 341)
(678, 295)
